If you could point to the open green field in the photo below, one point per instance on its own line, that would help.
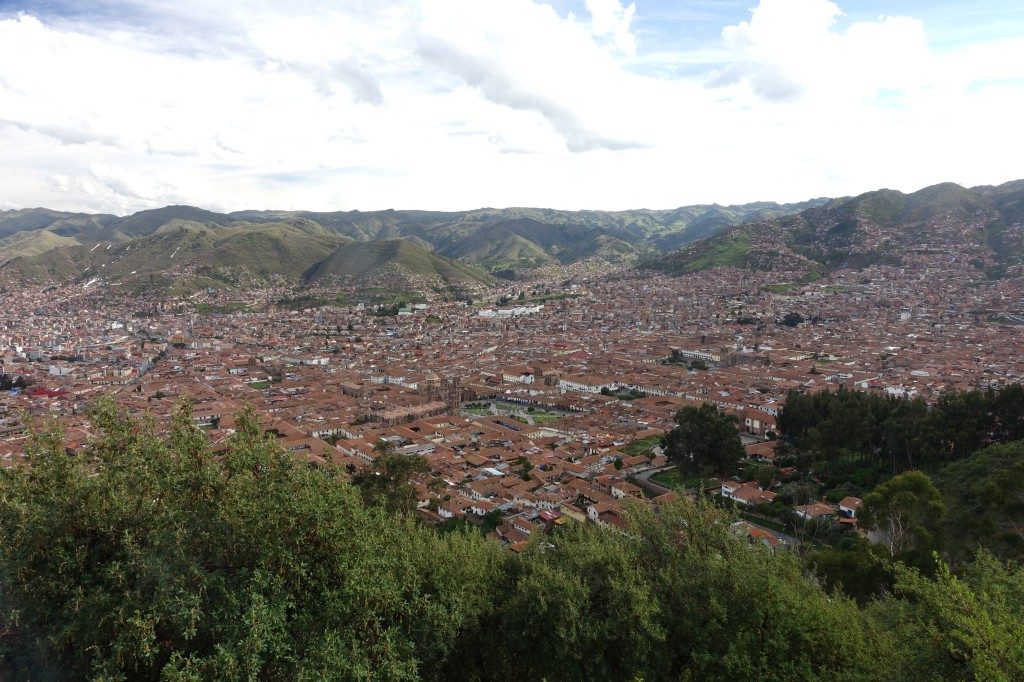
(642, 446)
(312, 301)
(671, 479)
(226, 309)
(782, 288)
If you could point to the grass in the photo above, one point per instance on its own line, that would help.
(781, 288)
(230, 307)
(31, 243)
(360, 259)
(311, 301)
(729, 250)
(386, 297)
(540, 417)
(642, 446)
(671, 478)
(260, 385)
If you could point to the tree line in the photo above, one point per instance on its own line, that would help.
(899, 433)
(148, 556)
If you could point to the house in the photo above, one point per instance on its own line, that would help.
(816, 511)
(761, 452)
(758, 422)
(848, 506)
(746, 493)
(518, 375)
(595, 510)
(621, 489)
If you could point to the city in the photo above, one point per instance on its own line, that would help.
(549, 406)
(564, 340)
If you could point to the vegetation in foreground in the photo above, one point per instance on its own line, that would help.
(145, 557)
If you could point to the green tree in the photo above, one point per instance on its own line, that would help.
(704, 440)
(858, 570)
(905, 514)
(141, 558)
(389, 484)
(961, 627)
(792, 319)
(147, 557)
(985, 497)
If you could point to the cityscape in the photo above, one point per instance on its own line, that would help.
(561, 340)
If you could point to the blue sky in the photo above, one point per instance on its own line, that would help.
(451, 104)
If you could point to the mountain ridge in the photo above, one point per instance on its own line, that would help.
(518, 237)
(881, 226)
(454, 248)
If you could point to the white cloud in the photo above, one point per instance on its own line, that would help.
(460, 103)
(610, 19)
(791, 48)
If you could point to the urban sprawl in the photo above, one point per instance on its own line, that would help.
(535, 405)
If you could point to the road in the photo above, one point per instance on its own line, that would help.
(643, 480)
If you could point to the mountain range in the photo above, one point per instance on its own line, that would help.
(184, 247)
(302, 246)
(883, 226)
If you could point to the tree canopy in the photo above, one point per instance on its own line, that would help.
(704, 440)
(905, 513)
(147, 556)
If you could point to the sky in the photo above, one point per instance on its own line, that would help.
(121, 105)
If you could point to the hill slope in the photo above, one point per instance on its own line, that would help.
(29, 243)
(883, 226)
(493, 238)
(237, 255)
(394, 264)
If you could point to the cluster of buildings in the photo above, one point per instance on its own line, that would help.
(530, 414)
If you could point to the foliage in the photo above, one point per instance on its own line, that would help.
(900, 433)
(146, 557)
(905, 513)
(642, 446)
(967, 626)
(389, 482)
(792, 319)
(7, 382)
(679, 597)
(985, 497)
(859, 570)
(704, 440)
(142, 558)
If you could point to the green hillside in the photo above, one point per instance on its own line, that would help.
(257, 246)
(728, 249)
(145, 223)
(31, 243)
(495, 239)
(875, 227)
(58, 222)
(247, 254)
(391, 259)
